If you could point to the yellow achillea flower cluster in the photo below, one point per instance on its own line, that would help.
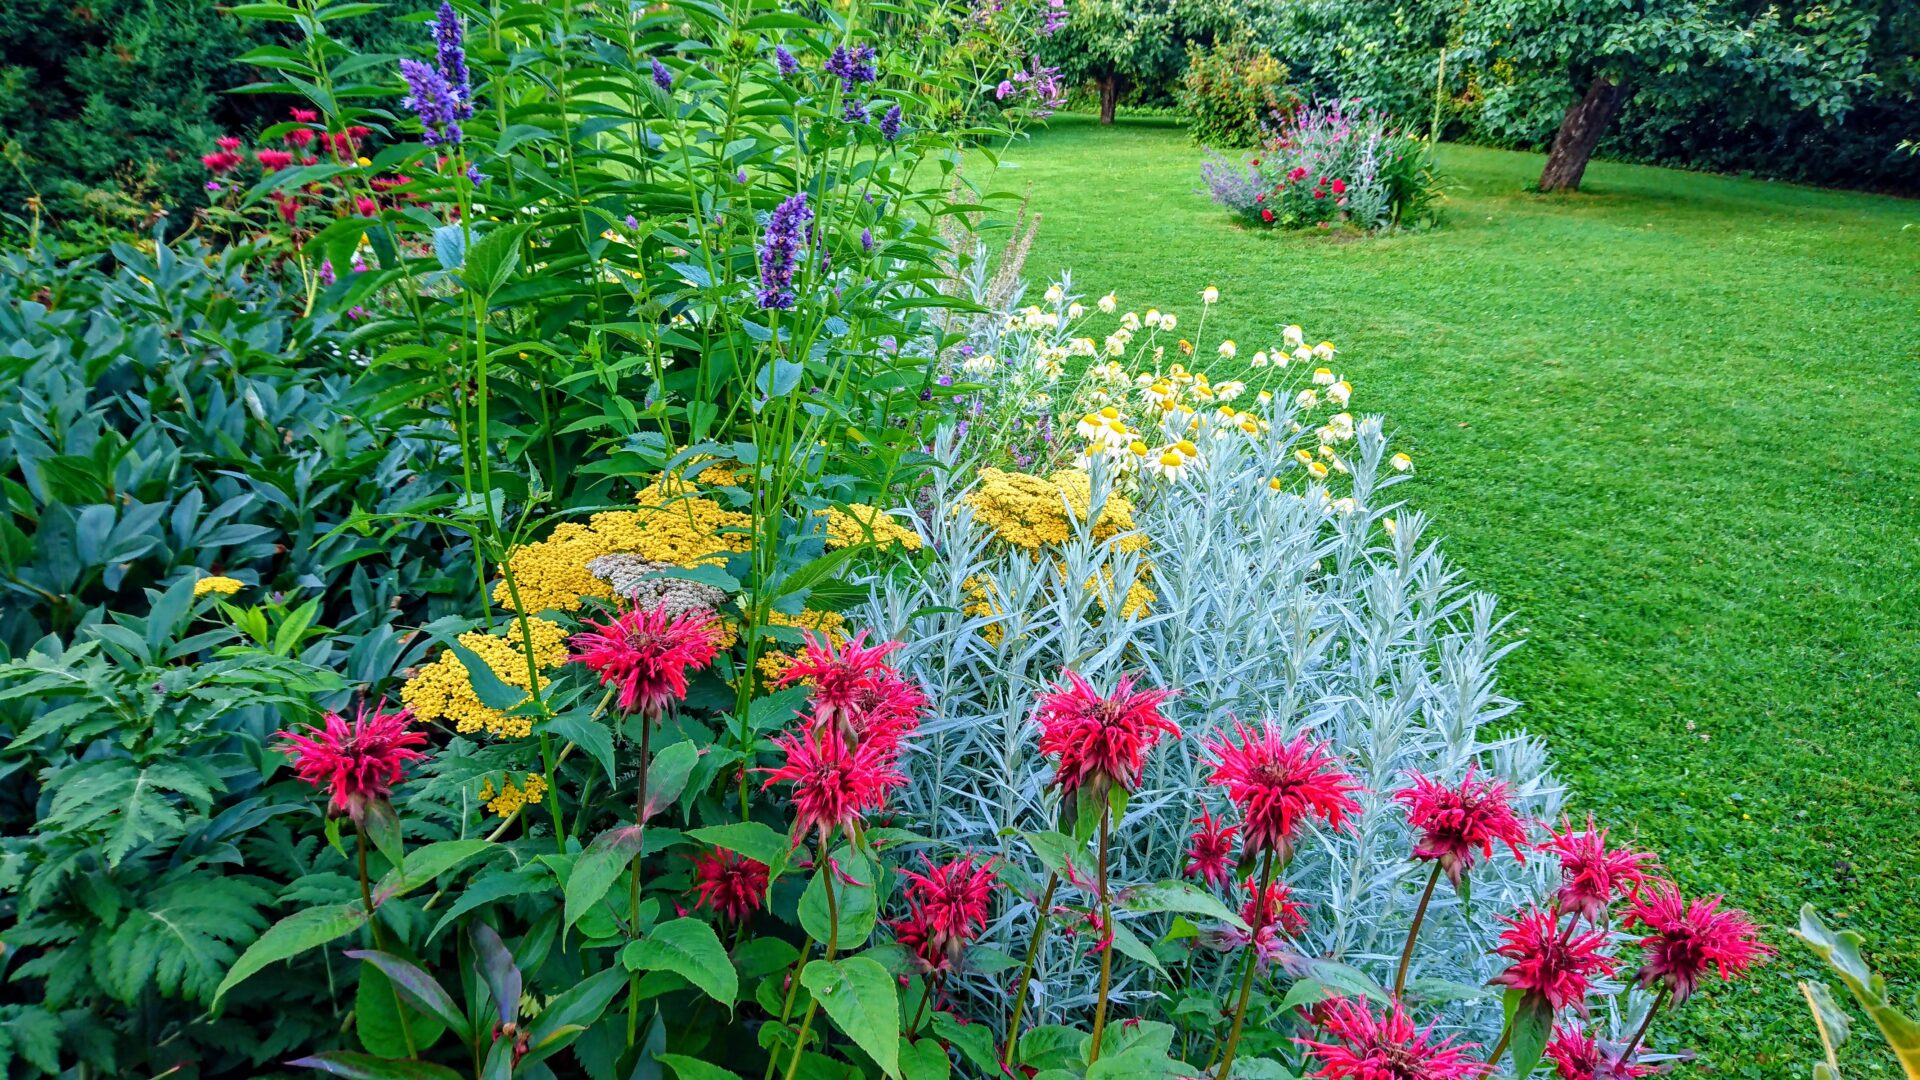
(830, 625)
(672, 525)
(1033, 512)
(982, 598)
(442, 691)
(859, 524)
(510, 799)
(218, 583)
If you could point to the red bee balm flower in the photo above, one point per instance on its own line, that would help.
(1688, 937)
(1550, 963)
(1275, 909)
(1367, 1047)
(1279, 784)
(947, 908)
(1577, 1056)
(647, 654)
(857, 691)
(273, 160)
(1211, 857)
(1591, 874)
(1454, 822)
(1096, 741)
(730, 885)
(833, 782)
(357, 762)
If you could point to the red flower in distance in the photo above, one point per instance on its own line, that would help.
(305, 116)
(1211, 857)
(946, 909)
(1339, 187)
(220, 163)
(833, 782)
(1299, 172)
(1551, 963)
(1096, 741)
(228, 143)
(1278, 784)
(1266, 215)
(1455, 822)
(1592, 874)
(730, 884)
(1369, 1047)
(357, 762)
(647, 655)
(1275, 909)
(273, 160)
(1688, 937)
(299, 137)
(1576, 1056)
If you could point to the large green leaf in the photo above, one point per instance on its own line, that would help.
(290, 937)
(595, 871)
(690, 1068)
(750, 838)
(1179, 896)
(863, 1001)
(690, 949)
(368, 1067)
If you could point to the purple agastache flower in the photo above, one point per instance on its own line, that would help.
(854, 66)
(740, 177)
(662, 78)
(448, 32)
(432, 103)
(890, 124)
(1056, 17)
(474, 174)
(866, 239)
(789, 67)
(780, 244)
(854, 111)
(633, 222)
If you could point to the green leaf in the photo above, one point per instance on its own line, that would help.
(1059, 852)
(689, 1068)
(1130, 945)
(125, 805)
(420, 989)
(924, 1060)
(1182, 897)
(565, 1017)
(863, 1001)
(383, 828)
(595, 871)
(758, 842)
(290, 937)
(688, 948)
(974, 1040)
(427, 863)
(1344, 979)
(1842, 953)
(492, 691)
(667, 775)
(493, 258)
(1531, 1020)
(858, 905)
(368, 1067)
(588, 734)
(377, 1018)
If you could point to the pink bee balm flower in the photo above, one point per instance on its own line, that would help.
(1688, 937)
(947, 908)
(224, 161)
(730, 885)
(1551, 963)
(1211, 857)
(273, 160)
(227, 143)
(1592, 874)
(1275, 909)
(834, 783)
(1279, 784)
(1576, 1056)
(1096, 741)
(1368, 1047)
(1455, 822)
(357, 762)
(856, 689)
(647, 655)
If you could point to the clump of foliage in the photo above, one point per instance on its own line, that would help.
(1869, 990)
(1328, 165)
(1132, 49)
(1232, 92)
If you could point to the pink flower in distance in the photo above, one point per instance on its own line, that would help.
(1457, 822)
(356, 761)
(1688, 937)
(1211, 857)
(1096, 741)
(1363, 1046)
(1279, 784)
(1550, 962)
(1592, 874)
(647, 655)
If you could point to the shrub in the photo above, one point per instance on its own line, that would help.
(1326, 166)
(1231, 92)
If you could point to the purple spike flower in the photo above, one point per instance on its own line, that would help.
(890, 123)
(854, 111)
(780, 245)
(866, 239)
(789, 67)
(662, 78)
(474, 174)
(854, 66)
(448, 32)
(432, 102)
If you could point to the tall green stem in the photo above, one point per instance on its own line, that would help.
(1413, 932)
(833, 948)
(1106, 929)
(1248, 965)
(373, 928)
(1040, 924)
(633, 875)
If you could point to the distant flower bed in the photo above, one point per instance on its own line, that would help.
(1324, 167)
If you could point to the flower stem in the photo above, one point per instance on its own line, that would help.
(1251, 962)
(1040, 925)
(1500, 1047)
(633, 877)
(1413, 932)
(1659, 1000)
(786, 1007)
(926, 998)
(373, 927)
(833, 947)
(1106, 929)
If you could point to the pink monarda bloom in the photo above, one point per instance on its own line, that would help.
(273, 160)
(222, 162)
(1278, 784)
(356, 762)
(730, 885)
(1273, 907)
(1592, 875)
(946, 909)
(1551, 963)
(1211, 857)
(1577, 1056)
(857, 691)
(1456, 822)
(1688, 937)
(1099, 741)
(1368, 1047)
(834, 783)
(647, 654)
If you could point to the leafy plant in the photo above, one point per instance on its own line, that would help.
(1232, 92)
(1842, 953)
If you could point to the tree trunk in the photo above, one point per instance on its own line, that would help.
(1109, 96)
(1580, 132)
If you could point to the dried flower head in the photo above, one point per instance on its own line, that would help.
(1363, 1046)
(1279, 784)
(1592, 875)
(1456, 822)
(357, 762)
(1096, 740)
(1687, 937)
(647, 655)
(730, 885)
(1550, 962)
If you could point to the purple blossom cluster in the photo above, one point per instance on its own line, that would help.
(780, 244)
(1039, 89)
(441, 95)
(662, 78)
(890, 124)
(451, 52)
(1054, 18)
(853, 66)
(789, 67)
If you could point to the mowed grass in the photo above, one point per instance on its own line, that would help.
(1672, 421)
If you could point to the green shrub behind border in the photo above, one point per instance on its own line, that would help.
(1231, 92)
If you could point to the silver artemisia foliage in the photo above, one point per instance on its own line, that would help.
(1273, 605)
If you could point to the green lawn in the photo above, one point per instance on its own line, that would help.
(1672, 421)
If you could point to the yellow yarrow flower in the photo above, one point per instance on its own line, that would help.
(509, 799)
(830, 625)
(218, 583)
(1032, 512)
(861, 524)
(443, 692)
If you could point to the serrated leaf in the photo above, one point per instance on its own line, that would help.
(423, 864)
(290, 937)
(758, 842)
(1130, 944)
(690, 949)
(1179, 896)
(667, 775)
(588, 734)
(566, 1016)
(597, 868)
(690, 1068)
(857, 905)
(863, 1001)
